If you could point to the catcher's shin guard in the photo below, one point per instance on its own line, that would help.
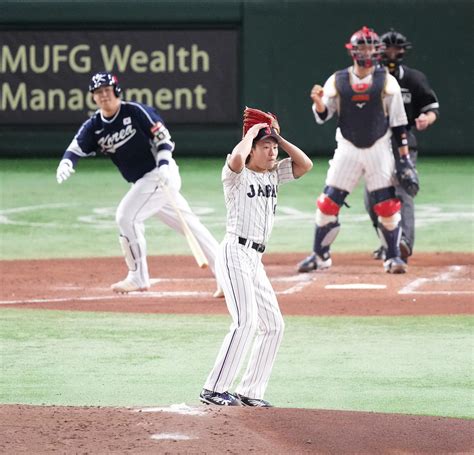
(324, 236)
(389, 228)
(390, 240)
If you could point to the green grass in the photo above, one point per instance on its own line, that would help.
(413, 365)
(41, 219)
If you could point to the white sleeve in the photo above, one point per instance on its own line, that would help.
(285, 171)
(394, 103)
(329, 99)
(229, 177)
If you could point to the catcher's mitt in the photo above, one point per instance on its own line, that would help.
(407, 176)
(253, 116)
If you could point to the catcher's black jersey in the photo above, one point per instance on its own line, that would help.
(418, 96)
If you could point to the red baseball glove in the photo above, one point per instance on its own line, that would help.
(253, 116)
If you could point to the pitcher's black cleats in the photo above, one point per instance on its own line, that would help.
(219, 398)
(254, 402)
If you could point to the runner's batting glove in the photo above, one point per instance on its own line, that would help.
(64, 171)
(164, 174)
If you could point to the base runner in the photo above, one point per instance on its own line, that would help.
(135, 138)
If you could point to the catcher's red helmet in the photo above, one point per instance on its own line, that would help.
(365, 47)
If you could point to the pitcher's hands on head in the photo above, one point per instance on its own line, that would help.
(255, 129)
(64, 170)
(253, 116)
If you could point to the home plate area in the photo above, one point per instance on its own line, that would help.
(355, 285)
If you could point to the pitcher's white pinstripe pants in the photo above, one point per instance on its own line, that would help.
(256, 321)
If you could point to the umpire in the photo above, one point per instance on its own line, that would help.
(422, 109)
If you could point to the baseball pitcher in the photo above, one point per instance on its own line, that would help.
(251, 178)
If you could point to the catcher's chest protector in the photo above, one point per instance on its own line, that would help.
(362, 119)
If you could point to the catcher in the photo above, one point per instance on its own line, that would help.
(251, 178)
(422, 109)
(362, 95)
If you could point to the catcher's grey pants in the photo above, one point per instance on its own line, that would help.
(407, 211)
(256, 321)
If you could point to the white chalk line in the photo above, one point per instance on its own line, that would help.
(143, 295)
(294, 289)
(301, 280)
(451, 275)
(171, 436)
(182, 409)
(153, 281)
(440, 292)
(353, 286)
(282, 279)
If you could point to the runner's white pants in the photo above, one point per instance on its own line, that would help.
(146, 198)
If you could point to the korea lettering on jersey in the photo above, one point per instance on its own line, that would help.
(132, 138)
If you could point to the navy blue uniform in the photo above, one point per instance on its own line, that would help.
(132, 139)
(138, 143)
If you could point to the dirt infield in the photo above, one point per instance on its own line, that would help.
(67, 430)
(436, 284)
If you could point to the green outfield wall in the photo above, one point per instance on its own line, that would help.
(272, 54)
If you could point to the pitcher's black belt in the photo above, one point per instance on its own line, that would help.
(256, 246)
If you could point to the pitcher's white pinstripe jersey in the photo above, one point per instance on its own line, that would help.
(251, 199)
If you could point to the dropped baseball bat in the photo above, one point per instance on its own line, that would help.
(192, 242)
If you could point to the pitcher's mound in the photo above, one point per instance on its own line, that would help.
(211, 430)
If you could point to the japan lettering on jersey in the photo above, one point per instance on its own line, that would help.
(251, 199)
(132, 139)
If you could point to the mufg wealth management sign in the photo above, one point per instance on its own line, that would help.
(190, 76)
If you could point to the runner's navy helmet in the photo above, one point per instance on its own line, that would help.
(104, 79)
